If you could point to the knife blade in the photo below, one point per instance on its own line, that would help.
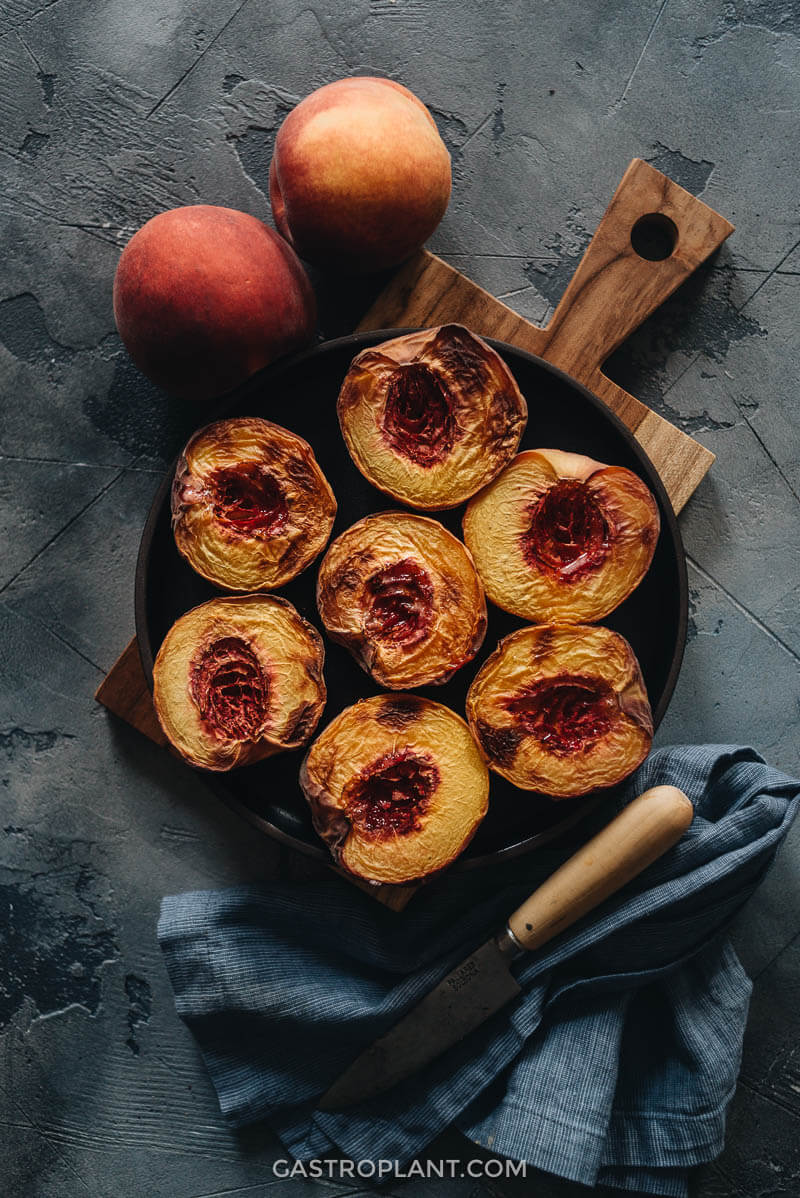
(470, 993)
(483, 983)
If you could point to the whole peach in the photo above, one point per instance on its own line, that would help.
(205, 296)
(360, 177)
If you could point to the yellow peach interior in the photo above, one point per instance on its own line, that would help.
(358, 742)
(456, 621)
(285, 651)
(256, 556)
(615, 511)
(590, 668)
(484, 407)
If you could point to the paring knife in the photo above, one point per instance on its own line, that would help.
(483, 983)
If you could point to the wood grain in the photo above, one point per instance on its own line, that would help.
(611, 293)
(637, 837)
(613, 290)
(124, 691)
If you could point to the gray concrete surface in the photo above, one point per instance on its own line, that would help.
(110, 112)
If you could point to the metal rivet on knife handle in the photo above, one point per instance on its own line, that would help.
(644, 830)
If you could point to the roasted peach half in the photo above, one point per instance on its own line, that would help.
(396, 787)
(250, 506)
(560, 538)
(431, 417)
(561, 709)
(238, 679)
(402, 594)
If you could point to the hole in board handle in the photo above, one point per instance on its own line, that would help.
(654, 237)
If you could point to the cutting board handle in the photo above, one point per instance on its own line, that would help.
(641, 832)
(616, 287)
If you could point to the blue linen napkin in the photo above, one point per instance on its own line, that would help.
(616, 1064)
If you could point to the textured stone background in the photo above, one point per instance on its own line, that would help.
(112, 111)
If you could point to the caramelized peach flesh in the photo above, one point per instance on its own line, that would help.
(396, 786)
(238, 679)
(230, 688)
(566, 714)
(391, 795)
(402, 594)
(250, 506)
(561, 709)
(400, 598)
(418, 419)
(431, 417)
(568, 532)
(249, 499)
(558, 537)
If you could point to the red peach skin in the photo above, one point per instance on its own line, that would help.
(360, 177)
(205, 296)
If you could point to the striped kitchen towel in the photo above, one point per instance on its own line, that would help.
(614, 1066)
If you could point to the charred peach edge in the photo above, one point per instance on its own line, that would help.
(214, 620)
(628, 686)
(584, 469)
(352, 545)
(404, 350)
(331, 821)
(243, 437)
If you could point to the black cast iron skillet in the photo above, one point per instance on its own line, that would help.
(300, 393)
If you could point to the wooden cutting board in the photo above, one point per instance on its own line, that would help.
(618, 284)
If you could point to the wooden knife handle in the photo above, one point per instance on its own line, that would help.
(647, 827)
